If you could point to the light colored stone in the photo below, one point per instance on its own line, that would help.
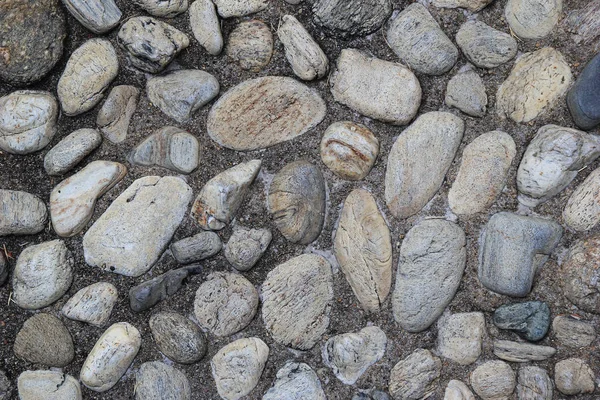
(296, 381)
(415, 377)
(21, 213)
(71, 150)
(348, 18)
(574, 376)
(158, 381)
(471, 5)
(580, 274)
(460, 337)
(456, 390)
(485, 46)
(250, 45)
(99, 16)
(493, 380)
(573, 332)
(246, 247)
(196, 248)
(44, 339)
(534, 384)
(170, 148)
(533, 19)
(239, 8)
(163, 8)
(466, 92)
(116, 112)
(206, 26)
(585, 23)
(92, 304)
(306, 57)
(48, 385)
(522, 352)
(177, 337)
(582, 211)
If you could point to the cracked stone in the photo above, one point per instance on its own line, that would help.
(246, 247)
(485, 46)
(460, 337)
(416, 376)
(574, 376)
(296, 381)
(44, 339)
(71, 150)
(21, 213)
(178, 338)
(99, 16)
(534, 384)
(92, 304)
(48, 385)
(116, 112)
(170, 148)
(530, 320)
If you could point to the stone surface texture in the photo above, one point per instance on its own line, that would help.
(239, 8)
(485, 46)
(582, 211)
(533, 19)
(574, 376)
(250, 45)
(205, 26)
(21, 213)
(466, 92)
(460, 337)
(71, 150)
(163, 8)
(45, 340)
(158, 381)
(170, 148)
(116, 112)
(348, 18)
(246, 247)
(48, 385)
(522, 352)
(99, 16)
(493, 380)
(534, 384)
(196, 248)
(531, 319)
(295, 381)
(178, 337)
(573, 332)
(92, 304)
(415, 377)
(580, 274)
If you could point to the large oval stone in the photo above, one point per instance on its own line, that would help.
(99, 16)
(158, 381)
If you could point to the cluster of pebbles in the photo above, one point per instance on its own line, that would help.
(516, 347)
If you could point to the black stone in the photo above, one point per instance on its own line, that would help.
(348, 18)
(530, 320)
(584, 97)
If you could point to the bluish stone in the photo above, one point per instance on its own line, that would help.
(530, 320)
(584, 97)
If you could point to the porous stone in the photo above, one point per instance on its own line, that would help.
(27, 121)
(92, 304)
(150, 44)
(493, 380)
(580, 274)
(177, 337)
(239, 8)
(196, 248)
(42, 275)
(250, 45)
(582, 98)
(533, 19)
(237, 367)
(485, 46)
(99, 16)
(378, 89)
(534, 85)
(513, 247)
(296, 202)
(238, 119)
(411, 179)
(456, 390)
(44, 339)
(295, 381)
(246, 247)
(530, 320)
(158, 381)
(170, 148)
(460, 337)
(116, 112)
(415, 377)
(534, 384)
(72, 202)
(179, 94)
(71, 150)
(205, 26)
(110, 357)
(466, 92)
(582, 211)
(573, 332)
(347, 18)
(522, 352)
(128, 239)
(574, 376)
(482, 174)
(221, 197)
(471, 5)
(21, 213)
(48, 385)
(163, 8)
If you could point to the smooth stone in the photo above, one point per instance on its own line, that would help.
(246, 247)
(110, 357)
(21, 213)
(116, 112)
(72, 202)
(239, 120)
(297, 298)
(170, 148)
(221, 197)
(196, 248)
(71, 150)
(205, 26)
(158, 381)
(573, 332)
(483, 173)
(415, 377)
(43, 274)
(349, 150)
(512, 249)
(47, 385)
(376, 88)
(534, 384)
(296, 381)
(574, 376)
(348, 18)
(471, 5)
(177, 337)
(582, 211)
(99, 16)
(530, 320)
(297, 202)
(136, 237)
(411, 179)
(584, 24)
(533, 19)
(307, 59)
(163, 8)
(349, 355)
(237, 367)
(493, 380)
(460, 337)
(239, 8)
(225, 303)
(551, 162)
(582, 98)
(4, 270)
(150, 44)
(417, 39)
(522, 352)
(6, 387)
(456, 390)
(580, 274)
(27, 121)
(44, 339)
(363, 250)
(485, 46)
(535, 84)
(250, 45)
(179, 94)
(466, 92)
(92, 304)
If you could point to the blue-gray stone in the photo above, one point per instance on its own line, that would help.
(584, 97)
(530, 320)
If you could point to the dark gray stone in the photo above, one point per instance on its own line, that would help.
(178, 337)
(347, 18)
(530, 320)
(584, 97)
(21, 213)
(158, 381)
(44, 339)
(195, 248)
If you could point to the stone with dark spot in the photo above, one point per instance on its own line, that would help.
(44, 339)
(177, 337)
(583, 98)
(531, 320)
(348, 18)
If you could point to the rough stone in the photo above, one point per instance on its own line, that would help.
(48, 385)
(456, 390)
(466, 92)
(99, 16)
(196, 248)
(92, 304)
(239, 8)
(582, 211)
(580, 274)
(21, 213)
(485, 46)
(471, 5)
(177, 337)
(584, 23)
(250, 45)
(573, 332)
(158, 381)
(493, 380)
(44, 339)
(534, 384)
(295, 381)
(460, 337)
(206, 27)
(582, 98)
(574, 376)
(347, 18)
(170, 148)
(522, 352)
(116, 112)
(163, 8)
(530, 320)
(246, 247)
(415, 377)
(71, 150)
(533, 19)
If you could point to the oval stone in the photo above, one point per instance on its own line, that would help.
(44, 339)
(347, 18)
(177, 337)
(163, 8)
(485, 46)
(250, 45)
(205, 26)
(92, 304)
(158, 381)
(21, 213)
(99, 16)
(48, 385)
(296, 381)
(71, 150)
(582, 211)
(533, 19)
(493, 380)
(580, 274)
(116, 112)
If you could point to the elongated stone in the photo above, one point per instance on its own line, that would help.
(206, 26)
(196, 248)
(306, 57)
(163, 8)
(99, 16)
(21, 213)
(347, 18)
(250, 45)
(116, 112)
(485, 46)
(582, 211)
(466, 92)
(460, 337)
(239, 8)
(92, 304)
(456, 390)
(574, 376)
(295, 381)
(246, 247)
(580, 274)
(177, 337)
(415, 377)
(169, 147)
(522, 352)
(582, 98)
(534, 384)
(158, 381)
(531, 319)
(493, 380)
(533, 19)
(471, 5)
(48, 385)
(573, 332)
(71, 150)
(44, 339)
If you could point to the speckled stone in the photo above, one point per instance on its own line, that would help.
(177, 337)
(493, 380)
(163, 8)
(534, 384)
(92, 304)
(485, 46)
(416, 376)
(348, 18)
(573, 332)
(580, 274)
(116, 112)
(531, 319)
(239, 8)
(582, 211)
(45, 340)
(196, 248)
(522, 352)
(460, 337)
(71, 150)
(99, 16)
(296, 381)
(158, 381)
(47, 385)
(21, 213)
(250, 45)
(205, 26)
(246, 247)
(466, 92)
(6, 389)
(533, 19)
(574, 376)
(457, 390)
(471, 5)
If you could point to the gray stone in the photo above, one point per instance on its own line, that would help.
(378, 89)
(573, 332)
(92, 304)
(415, 377)
(21, 213)
(71, 150)
(582, 211)
(512, 249)
(42, 275)
(170, 148)
(534, 384)
(574, 376)
(585, 24)
(116, 112)
(239, 8)
(179, 94)
(296, 202)
(485, 46)
(6, 387)
(163, 8)
(4, 270)
(347, 18)
(295, 381)
(456, 390)
(460, 337)
(531, 319)
(150, 44)
(522, 352)
(582, 98)
(196, 248)
(371, 394)
(580, 274)
(178, 338)
(205, 26)
(99, 16)
(44, 339)
(250, 45)
(533, 19)
(493, 380)
(471, 5)
(246, 247)
(48, 385)
(466, 92)
(158, 381)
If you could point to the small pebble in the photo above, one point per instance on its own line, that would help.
(296, 381)
(485, 46)
(196, 248)
(177, 337)
(92, 304)
(466, 92)
(44, 339)
(147, 294)
(246, 247)
(99, 16)
(416, 376)
(71, 150)
(21, 213)
(460, 337)
(163, 8)
(574, 376)
(573, 332)
(531, 319)
(522, 352)
(158, 381)
(47, 385)
(493, 380)
(534, 384)
(250, 45)
(170, 148)
(205, 26)
(116, 112)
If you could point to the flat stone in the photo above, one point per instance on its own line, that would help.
(225, 303)
(196, 248)
(483, 173)
(534, 85)
(378, 89)
(456, 390)
(534, 384)
(411, 179)
(21, 213)
(250, 45)
(296, 202)
(533, 19)
(177, 337)
(239, 8)
(573, 332)
(363, 249)
(43, 274)
(71, 150)
(582, 211)
(580, 274)
(348, 18)
(4, 270)
(574, 376)
(44, 339)
(460, 337)
(48, 385)
(417, 39)
(110, 357)
(221, 197)
(415, 377)
(237, 367)
(179, 94)
(238, 119)
(512, 249)
(92, 304)
(128, 239)
(72, 202)
(27, 121)
(349, 150)
(295, 381)
(582, 98)
(163, 8)
(205, 26)
(158, 381)
(307, 59)
(471, 5)
(116, 112)
(584, 24)
(466, 92)
(530, 320)
(246, 247)
(150, 44)
(170, 148)
(522, 352)
(297, 298)
(551, 162)
(99, 16)
(493, 380)
(349, 355)
(485, 46)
